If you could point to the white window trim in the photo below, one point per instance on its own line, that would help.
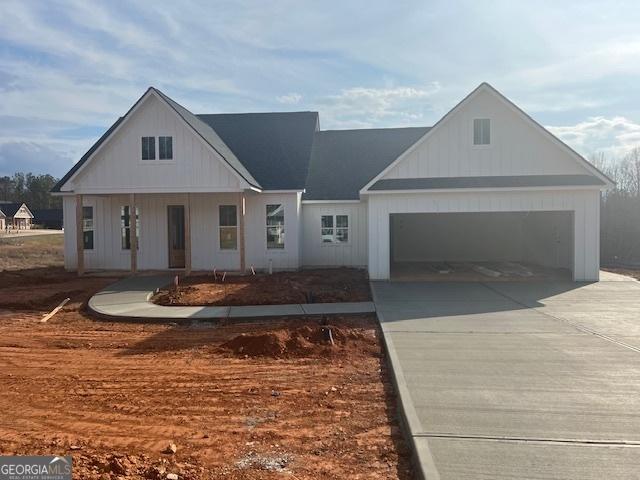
(138, 230)
(334, 242)
(157, 161)
(95, 236)
(482, 145)
(237, 227)
(266, 226)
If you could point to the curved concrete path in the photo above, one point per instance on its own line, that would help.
(130, 299)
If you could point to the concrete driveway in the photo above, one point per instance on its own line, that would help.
(518, 380)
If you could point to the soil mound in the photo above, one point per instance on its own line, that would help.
(298, 342)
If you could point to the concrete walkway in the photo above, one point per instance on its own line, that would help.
(129, 299)
(517, 379)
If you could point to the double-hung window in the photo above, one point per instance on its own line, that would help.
(125, 227)
(481, 131)
(87, 228)
(148, 148)
(334, 228)
(275, 226)
(165, 148)
(228, 220)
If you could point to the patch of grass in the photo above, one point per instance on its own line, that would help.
(31, 252)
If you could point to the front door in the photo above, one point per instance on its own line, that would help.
(175, 217)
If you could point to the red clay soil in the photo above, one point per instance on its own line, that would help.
(114, 395)
(307, 286)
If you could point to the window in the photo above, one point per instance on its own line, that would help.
(87, 228)
(275, 226)
(228, 227)
(148, 148)
(125, 227)
(165, 148)
(481, 131)
(334, 228)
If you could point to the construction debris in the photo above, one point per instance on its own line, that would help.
(54, 311)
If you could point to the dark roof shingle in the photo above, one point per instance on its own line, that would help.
(344, 161)
(275, 147)
(434, 183)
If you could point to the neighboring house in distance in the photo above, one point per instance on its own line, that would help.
(48, 218)
(16, 215)
(230, 191)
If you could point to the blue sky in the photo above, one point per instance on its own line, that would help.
(69, 68)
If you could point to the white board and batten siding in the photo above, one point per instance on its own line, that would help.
(117, 166)
(153, 251)
(257, 254)
(585, 205)
(350, 254)
(517, 147)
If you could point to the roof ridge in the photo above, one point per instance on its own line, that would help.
(258, 113)
(372, 129)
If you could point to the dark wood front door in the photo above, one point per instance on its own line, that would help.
(175, 217)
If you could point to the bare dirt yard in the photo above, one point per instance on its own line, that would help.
(629, 271)
(307, 286)
(252, 400)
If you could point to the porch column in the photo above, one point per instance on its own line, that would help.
(133, 232)
(79, 236)
(243, 265)
(187, 235)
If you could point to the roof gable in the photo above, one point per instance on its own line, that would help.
(10, 209)
(204, 132)
(519, 146)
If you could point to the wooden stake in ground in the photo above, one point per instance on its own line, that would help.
(54, 311)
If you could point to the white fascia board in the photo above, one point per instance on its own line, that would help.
(294, 190)
(424, 138)
(151, 92)
(330, 201)
(488, 88)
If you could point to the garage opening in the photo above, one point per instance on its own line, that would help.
(481, 246)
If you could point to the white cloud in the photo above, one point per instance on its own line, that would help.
(360, 107)
(613, 136)
(289, 98)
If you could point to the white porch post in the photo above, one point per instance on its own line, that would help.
(187, 235)
(79, 236)
(243, 265)
(133, 233)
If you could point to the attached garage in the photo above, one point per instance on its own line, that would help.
(525, 244)
(557, 228)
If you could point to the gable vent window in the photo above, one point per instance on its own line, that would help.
(165, 148)
(148, 148)
(481, 131)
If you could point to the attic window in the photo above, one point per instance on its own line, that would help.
(165, 148)
(148, 148)
(481, 131)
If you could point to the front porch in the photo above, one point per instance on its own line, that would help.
(180, 232)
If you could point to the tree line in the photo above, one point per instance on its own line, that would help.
(34, 190)
(620, 209)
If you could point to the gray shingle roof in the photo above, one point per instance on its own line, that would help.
(486, 182)
(274, 147)
(10, 208)
(269, 150)
(212, 138)
(344, 161)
